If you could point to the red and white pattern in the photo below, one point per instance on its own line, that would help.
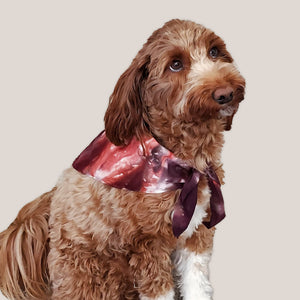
(147, 167)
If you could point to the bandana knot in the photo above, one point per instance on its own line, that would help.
(150, 168)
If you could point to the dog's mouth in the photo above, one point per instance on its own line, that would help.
(227, 111)
(229, 108)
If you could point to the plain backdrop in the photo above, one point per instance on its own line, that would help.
(59, 62)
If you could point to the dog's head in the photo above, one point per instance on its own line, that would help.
(181, 78)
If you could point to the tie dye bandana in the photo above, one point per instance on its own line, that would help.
(150, 168)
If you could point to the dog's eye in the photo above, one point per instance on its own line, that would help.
(176, 65)
(214, 52)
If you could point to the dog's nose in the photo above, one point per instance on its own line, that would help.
(223, 94)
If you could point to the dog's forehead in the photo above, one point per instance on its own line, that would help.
(190, 35)
(187, 36)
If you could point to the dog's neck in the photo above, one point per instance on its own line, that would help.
(199, 145)
(146, 166)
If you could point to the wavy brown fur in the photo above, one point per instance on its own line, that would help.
(24, 250)
(107, 243)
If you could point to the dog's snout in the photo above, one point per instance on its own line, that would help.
(223, 94)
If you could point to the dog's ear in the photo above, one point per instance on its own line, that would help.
(239, 95)
(124, 116)
(228, 121)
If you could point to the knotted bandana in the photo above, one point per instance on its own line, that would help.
(150, 168)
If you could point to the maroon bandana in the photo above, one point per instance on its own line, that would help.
(151, 168)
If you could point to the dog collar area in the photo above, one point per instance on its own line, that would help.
(149, 167)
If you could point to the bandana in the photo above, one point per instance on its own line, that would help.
(150, 168)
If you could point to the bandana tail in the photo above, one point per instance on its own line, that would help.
(185, 205)
(216, 200)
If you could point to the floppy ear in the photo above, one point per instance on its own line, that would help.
(124, 115)
(228, 120)
(239, 94)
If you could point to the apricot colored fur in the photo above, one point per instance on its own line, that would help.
(85, 240)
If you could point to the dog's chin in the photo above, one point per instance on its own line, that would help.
(226, 114)
(227, 111)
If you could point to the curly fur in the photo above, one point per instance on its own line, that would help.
(86, 240)
(24, 250)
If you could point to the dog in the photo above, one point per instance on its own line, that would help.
(135, 216)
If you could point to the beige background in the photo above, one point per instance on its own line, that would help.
(59, 61)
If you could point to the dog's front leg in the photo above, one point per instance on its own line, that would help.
(152, 268)
(191, 262)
